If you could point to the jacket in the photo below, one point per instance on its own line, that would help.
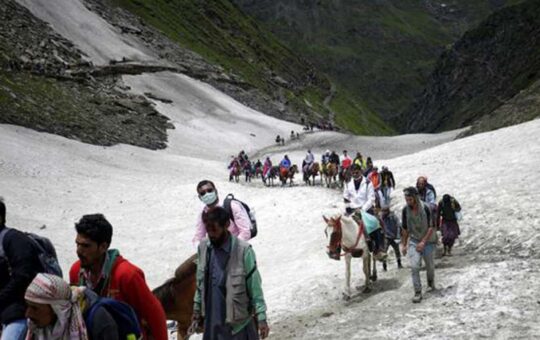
(127, 284)
(387, 179)
(22, 260)
(346, 162)
(285, 163)
(375, 179)
(244, 295)
(392, 226)
(334, 158)
(363, 198)
(240, 226)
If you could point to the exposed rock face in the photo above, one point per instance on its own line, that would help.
(46, 85)
(482, 72)
(267, 98)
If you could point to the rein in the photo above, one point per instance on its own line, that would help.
(347, 250)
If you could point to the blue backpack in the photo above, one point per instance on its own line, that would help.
(122, 313)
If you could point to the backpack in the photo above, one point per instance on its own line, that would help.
(432, 188)
(45, 251)
(251, 214)
(125, 318)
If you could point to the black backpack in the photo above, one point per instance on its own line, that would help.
(227, 206)
(44, 248)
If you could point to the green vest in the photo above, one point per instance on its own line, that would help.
(236, 297)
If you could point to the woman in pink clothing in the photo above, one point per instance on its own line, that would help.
(240, 225)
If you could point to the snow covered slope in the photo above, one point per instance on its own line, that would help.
(150, 198)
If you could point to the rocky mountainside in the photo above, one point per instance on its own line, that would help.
(489, 79)
(46, 84)
(274, 79)
(380, 51)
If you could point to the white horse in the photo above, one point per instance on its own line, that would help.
(346, 235)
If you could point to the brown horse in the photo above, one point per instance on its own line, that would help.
(176, 296)
(313, 171)
(288, 174)
(235, 173)
(330, 174)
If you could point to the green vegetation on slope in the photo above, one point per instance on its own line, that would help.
(487, 67)
(381, 52)
(224, 35)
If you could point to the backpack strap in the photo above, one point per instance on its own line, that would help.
(2, 236)
(227, 205)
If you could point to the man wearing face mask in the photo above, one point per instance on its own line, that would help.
(240, 225)
(358, 193)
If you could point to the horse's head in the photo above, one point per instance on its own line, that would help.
(334, 234)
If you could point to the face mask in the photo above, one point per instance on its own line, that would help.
(209, 198)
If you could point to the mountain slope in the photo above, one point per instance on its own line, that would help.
(381, 51)
(486, 68)
(225, 36)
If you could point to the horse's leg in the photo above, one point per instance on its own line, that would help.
(374, 275)
(367, 270)
(347, 291)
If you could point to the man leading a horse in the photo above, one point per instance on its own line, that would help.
(229, 300)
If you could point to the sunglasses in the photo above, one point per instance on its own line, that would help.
(204, 192)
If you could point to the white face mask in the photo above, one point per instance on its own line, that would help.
(209, 198)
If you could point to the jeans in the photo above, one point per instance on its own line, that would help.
(415, 259)
(16, 330)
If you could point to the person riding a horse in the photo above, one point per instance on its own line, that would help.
(359, 192)
(308, 162)
(325, 159)
(266, 168)
(284, 166)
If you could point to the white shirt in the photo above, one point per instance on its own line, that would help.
(363, 198)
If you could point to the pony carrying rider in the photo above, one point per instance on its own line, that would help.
(234, 166)
(284, 166)
(325, 159)
(266, 168)
(308, 162)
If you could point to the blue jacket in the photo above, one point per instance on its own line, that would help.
(285, 163)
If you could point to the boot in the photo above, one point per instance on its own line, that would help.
(384, 266)
(399, 263)
(445, 252)
(417, 297)
(449, 251)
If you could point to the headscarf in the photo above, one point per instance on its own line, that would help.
(65, 302)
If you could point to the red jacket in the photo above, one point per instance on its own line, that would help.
(127, 284)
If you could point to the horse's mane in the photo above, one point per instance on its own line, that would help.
(166, 292)
(187, 268)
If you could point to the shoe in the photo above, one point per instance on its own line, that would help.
(399, 264)
(417, 297)
(431, 285)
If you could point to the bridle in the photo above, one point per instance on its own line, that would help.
(337, 236)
